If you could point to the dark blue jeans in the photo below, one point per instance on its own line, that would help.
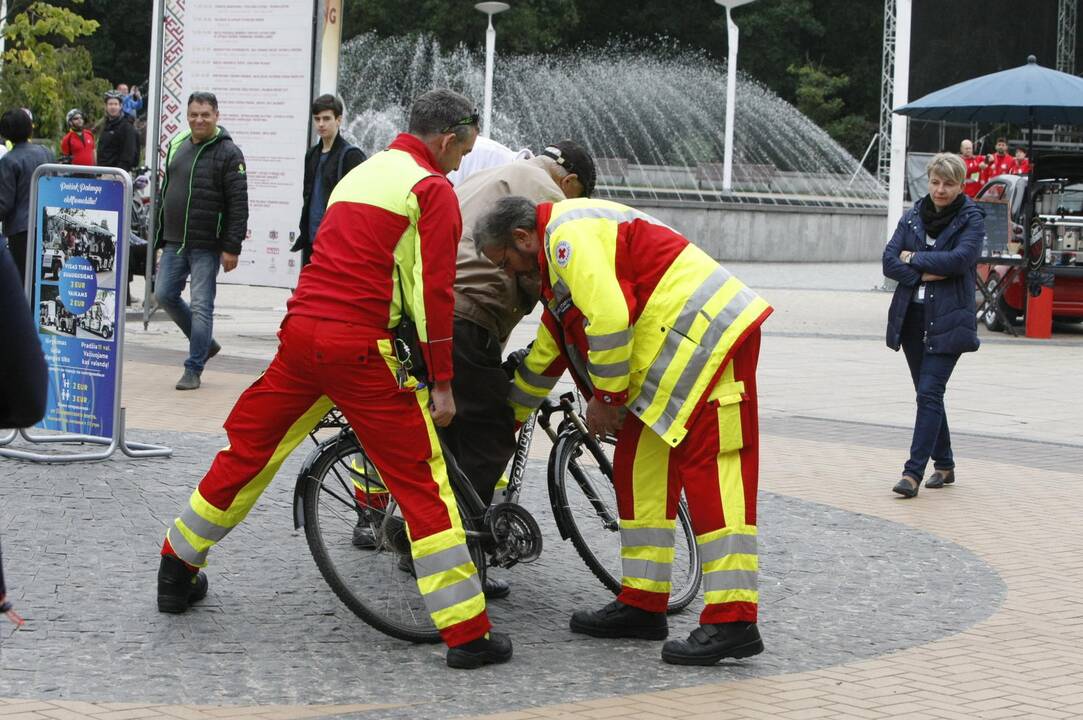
(195, 321)
(930, 372)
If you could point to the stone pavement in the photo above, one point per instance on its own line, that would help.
(961, 603)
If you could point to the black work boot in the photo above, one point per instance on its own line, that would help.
(179, 587)
(491, 650)
(710, 643)
(617, 620)
(363, 537)
(495, 589)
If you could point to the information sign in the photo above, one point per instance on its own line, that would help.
(79, 292)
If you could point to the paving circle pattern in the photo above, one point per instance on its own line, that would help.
(80, 550)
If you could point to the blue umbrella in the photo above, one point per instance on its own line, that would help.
(1027, 95)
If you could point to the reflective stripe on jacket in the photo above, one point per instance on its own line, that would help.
(643, 317)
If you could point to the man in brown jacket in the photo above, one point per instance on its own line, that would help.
(489, 302)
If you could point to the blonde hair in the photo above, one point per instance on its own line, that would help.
(948, 166)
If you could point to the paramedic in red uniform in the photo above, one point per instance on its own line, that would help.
(972, 182)
(387, 247)
(665, 343)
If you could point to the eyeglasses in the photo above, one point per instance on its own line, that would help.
(472, 119)
(504, 260)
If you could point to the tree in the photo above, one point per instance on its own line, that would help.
(45, 76)
(818, 98)
(530, 25)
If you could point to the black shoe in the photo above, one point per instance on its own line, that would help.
(214, 350)
(495, 589)
(179, 587)
(406, 564)
(940, 478)
(710, 643)
(492, 650)
(617, 620)
(363, 537)
(907, 486)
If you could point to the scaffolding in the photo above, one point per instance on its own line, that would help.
(887, 93)
(1066, 24)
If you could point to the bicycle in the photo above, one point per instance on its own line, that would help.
(377, 583)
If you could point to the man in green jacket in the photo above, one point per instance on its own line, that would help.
(202, 222)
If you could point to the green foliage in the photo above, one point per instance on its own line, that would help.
(44, 75)
(818, 98)
(539, 25)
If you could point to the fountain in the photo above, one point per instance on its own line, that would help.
(650, 113)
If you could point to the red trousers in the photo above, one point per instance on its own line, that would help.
(717, 467)
(320, 362)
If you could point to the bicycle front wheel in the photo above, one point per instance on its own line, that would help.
(361, 547)
(586, 503)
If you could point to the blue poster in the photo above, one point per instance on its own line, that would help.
(79, 268)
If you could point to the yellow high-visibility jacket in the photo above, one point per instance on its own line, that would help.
(644, 318)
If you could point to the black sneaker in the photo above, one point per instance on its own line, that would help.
(710, 643)
(495, 589)
(940, 478)
(492, 650)
(179, 587)
(617, 620)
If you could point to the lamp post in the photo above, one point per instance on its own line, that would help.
(490, 9)
(731, 91)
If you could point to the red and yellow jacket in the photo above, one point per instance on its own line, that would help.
(644, 317)
(389, 235)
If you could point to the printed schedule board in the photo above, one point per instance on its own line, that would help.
(78, 291)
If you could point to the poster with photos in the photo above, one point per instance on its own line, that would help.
(79, 268)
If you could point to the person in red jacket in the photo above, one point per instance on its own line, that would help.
(1022, 162)
(972, 182)
(999, 164)
(385, 253)
(78, 145)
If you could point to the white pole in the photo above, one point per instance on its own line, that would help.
(731, 100)
(897, 175)
(330, 46)
(490, 50)
(154, 139)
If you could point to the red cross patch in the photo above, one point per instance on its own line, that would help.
(563, 253)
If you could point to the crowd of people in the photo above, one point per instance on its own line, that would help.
(981, 168)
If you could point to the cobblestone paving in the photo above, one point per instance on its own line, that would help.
(837, 587)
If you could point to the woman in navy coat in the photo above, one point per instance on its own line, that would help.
(933, 318)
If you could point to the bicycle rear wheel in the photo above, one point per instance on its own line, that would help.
(376, 583)
(586, 503)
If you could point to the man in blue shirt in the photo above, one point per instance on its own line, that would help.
(131, 103)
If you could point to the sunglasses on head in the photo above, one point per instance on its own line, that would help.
(472, 119)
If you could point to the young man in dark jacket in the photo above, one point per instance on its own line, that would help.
(325, 164)
(118, 140)
(202, 220)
